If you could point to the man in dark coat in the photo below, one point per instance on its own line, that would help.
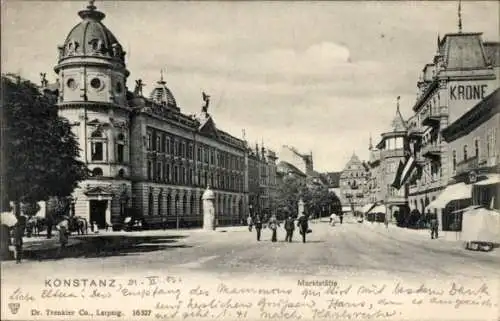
(303, 226)
(258, 226)
(289, 228)
(434, 225)
(341, 217)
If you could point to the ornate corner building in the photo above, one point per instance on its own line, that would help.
(352, 184)
(147, 158)
(462, 73)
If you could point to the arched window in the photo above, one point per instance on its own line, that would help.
(97, 172)
(192, 204)
(121, 173)
(184, 205)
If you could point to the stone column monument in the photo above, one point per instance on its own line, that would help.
(300, 207)
(208, 210)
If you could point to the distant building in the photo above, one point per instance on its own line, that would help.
(384, 162)
(262, 185)
(352, 185)
(303, 162)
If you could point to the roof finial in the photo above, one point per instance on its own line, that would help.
(397, 103)
(459, 16)
(91, 12)
(161, 82)
(370, 144)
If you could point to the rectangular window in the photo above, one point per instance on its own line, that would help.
(465, 152)
(167, 173)
(150, 170)
(454, 160)
(494, 142)
(149, 141)
(176, 148)
(476, 147)
(158, 143)
(176, 175)
(167, 145)
(159, 171)
(119, 153)
(205, 155)
(97, 151)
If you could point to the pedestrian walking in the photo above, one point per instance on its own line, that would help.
(18, 241)
(273, 225)
(303, 226)
(249, 223)
(341, 217)
(63, 234)
(258, 226)
(434, 225)
(289, 228)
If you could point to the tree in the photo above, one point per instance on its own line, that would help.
(289, 191)
(40, 152)
(317, 199)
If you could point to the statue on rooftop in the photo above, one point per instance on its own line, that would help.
(138, 87)
(206, 99)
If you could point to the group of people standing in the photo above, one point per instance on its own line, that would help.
(273, 224)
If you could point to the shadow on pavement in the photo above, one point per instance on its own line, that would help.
(105, 246)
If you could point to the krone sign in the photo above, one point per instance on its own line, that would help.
(468, 92)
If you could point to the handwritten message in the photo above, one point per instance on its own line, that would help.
(159, 297)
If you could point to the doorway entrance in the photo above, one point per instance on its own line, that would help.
(98, 213)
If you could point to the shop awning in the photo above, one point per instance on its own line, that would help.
(469, 208)
(492, 179)
(481, 224)
(378, 209)
(459, 191)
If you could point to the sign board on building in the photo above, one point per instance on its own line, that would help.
(468, 92)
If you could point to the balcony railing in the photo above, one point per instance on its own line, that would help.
(415, 132)
(467, 165)
(396, 199)
(393, 153)
(431, 151)
(431, 117)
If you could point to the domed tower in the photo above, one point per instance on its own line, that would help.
(161, 95)
(92, 96)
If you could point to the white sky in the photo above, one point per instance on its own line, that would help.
(320, 76)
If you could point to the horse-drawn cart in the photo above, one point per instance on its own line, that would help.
(480, 229)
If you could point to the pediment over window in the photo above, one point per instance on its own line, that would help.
(98, 191)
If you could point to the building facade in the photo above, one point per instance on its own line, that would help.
(303, 162)
(384, 163)
(462, 73)
(353, 179)
(474, 147)
(147, 158)
(263, 185)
